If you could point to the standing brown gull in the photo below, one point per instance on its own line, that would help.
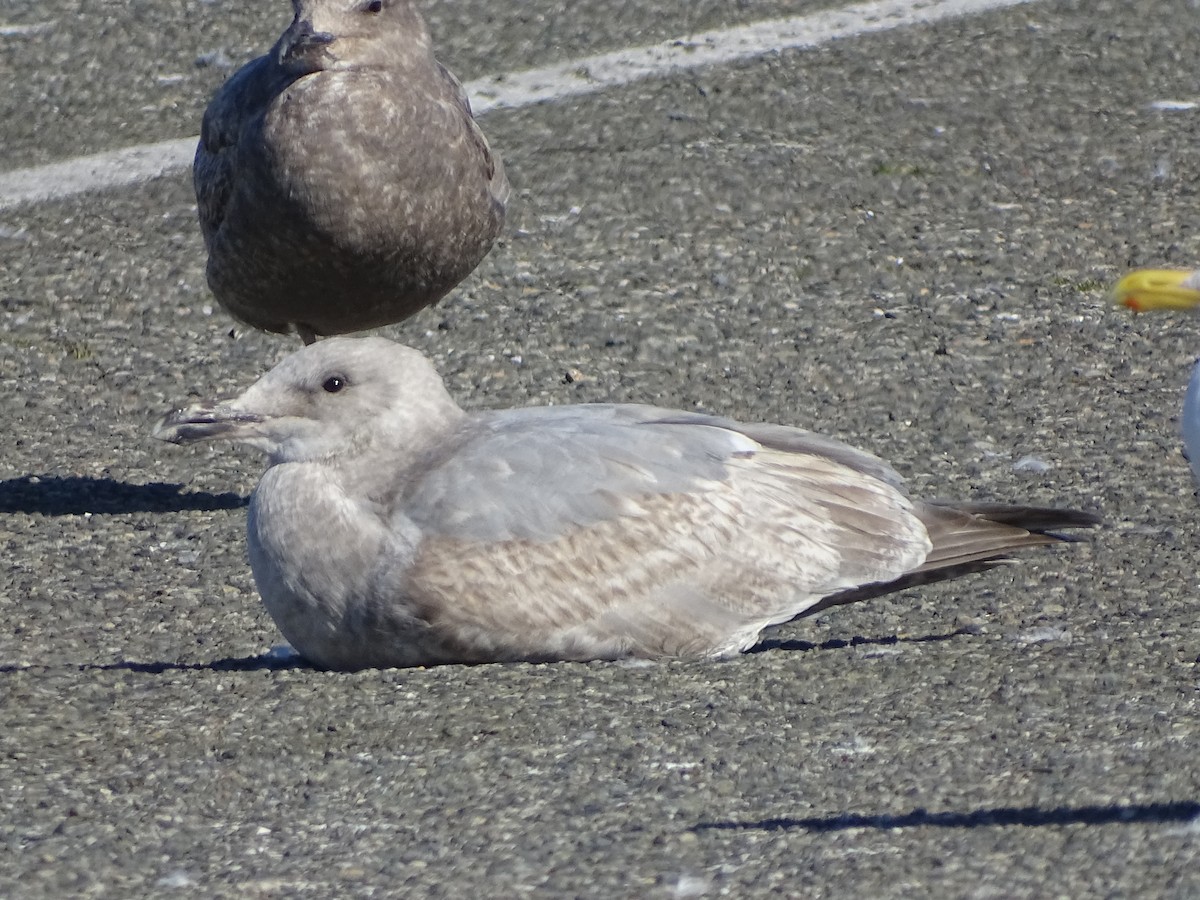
(341, 180)
(393, 529)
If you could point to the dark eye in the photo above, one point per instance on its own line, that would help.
(374, 6)
(334, 383)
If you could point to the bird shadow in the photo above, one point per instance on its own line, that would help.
(276, 662)
(264, 662)
(1024, 816)
(73, 495)
(792, 644)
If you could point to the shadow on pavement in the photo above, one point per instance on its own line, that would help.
(53, 495)
(1028, 816)
(857, 641)
(266, 662)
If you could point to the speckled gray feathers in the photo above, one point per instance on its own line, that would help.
(341, 180)
(391, 528)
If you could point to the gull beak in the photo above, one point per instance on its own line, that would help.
(301, 43)
(1148, 289)
(206, 422)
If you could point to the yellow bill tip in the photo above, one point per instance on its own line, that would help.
(1147, 289)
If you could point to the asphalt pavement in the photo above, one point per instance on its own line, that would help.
(902, 239)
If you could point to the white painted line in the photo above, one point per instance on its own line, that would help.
(132, 165)
(26, 30)
(114, 168)
(1173, 105)
(711, 48)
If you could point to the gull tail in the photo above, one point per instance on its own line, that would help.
(971, 537)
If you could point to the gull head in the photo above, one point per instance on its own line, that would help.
(334, 398)
(1147, 289)
(342, 34)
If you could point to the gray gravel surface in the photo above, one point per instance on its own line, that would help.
(902, 240)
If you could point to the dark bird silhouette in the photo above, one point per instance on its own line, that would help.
(341, 179)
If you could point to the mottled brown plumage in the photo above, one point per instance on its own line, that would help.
(341, 180)
(393, 529)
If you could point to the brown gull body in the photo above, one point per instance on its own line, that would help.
(392, 528)
(341, 180)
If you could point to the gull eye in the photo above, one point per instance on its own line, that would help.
(373, 6)
(333, 384)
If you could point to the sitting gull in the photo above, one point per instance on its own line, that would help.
(1150, 289)
(392, 528)
(341, 181)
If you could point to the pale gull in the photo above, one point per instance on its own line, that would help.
(341, 180)
(392, 528)
(1151, 289)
